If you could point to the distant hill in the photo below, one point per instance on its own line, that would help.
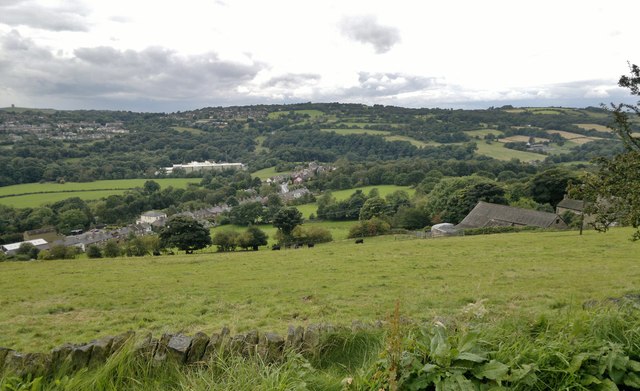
(24, 109)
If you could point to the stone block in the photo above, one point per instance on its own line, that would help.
(23, 364)
(271, 346)
(119, 341)
(178, 348)
(198, 347)
(218, 345)
(311, 339)
(251, 340)
(101, 351)
(61, 357)
(3, 354)
(295, 337)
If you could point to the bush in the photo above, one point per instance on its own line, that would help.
(311, 235)
(94, 251)
(226, 240)
(372, 227)
(59, 252)
(111, 249)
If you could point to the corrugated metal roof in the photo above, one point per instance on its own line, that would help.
(15, 246)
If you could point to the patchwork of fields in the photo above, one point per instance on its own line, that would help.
(510, 274)
(36, 194)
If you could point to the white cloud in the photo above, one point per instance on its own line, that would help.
(458, 53)
(366, 29)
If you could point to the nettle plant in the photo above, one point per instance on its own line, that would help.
(436, 358)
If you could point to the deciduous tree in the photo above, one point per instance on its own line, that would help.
(613, 193)
(185, 233)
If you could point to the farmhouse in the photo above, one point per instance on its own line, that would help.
(205, 166)
(152, 217)
(486, 214)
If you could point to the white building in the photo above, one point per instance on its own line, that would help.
(11, 248)
(205, 166)
(151, 217)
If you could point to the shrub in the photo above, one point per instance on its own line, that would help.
(111, 249)
(372, 227)
(226, 240)
(94, 251)
(310, 235)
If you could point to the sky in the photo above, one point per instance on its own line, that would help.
(168, 56)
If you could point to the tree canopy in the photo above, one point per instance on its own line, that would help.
(613, 192)
(287, 219)
(185, 233)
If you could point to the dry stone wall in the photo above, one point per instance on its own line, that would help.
(178, 349)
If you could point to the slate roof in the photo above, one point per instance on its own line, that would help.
(568, 203)
(486, 214)
(154, 213)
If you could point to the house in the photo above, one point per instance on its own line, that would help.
(295, 194)
(11, 248)
(152, 217)
(486, 214)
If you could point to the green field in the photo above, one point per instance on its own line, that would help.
(188, 130)
(512, 274)
(346, 132)
(497, 150)
(35, 194)
(417, 143)
(266, 173)
(483, 132)
(312, 113)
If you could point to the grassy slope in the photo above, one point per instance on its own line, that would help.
(85, 190)
(267, 173)
(337, 282)
(498, 151)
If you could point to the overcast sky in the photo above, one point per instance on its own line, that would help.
(179, 55)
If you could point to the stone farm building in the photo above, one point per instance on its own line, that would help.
(205, 166)
(486, 214)
(152, 217)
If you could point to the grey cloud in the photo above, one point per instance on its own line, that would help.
(292, 80)
(108, 75)
(69, 17)
(389, 84)
(366, 29)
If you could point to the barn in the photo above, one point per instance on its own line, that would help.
(486, 214)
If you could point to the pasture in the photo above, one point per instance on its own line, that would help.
(346, 132)
(266, 173)
(483, 132)
(596, 127)
(498, 151)
(311, 113)
(31, 195)
(528, 273)
(574, 137)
